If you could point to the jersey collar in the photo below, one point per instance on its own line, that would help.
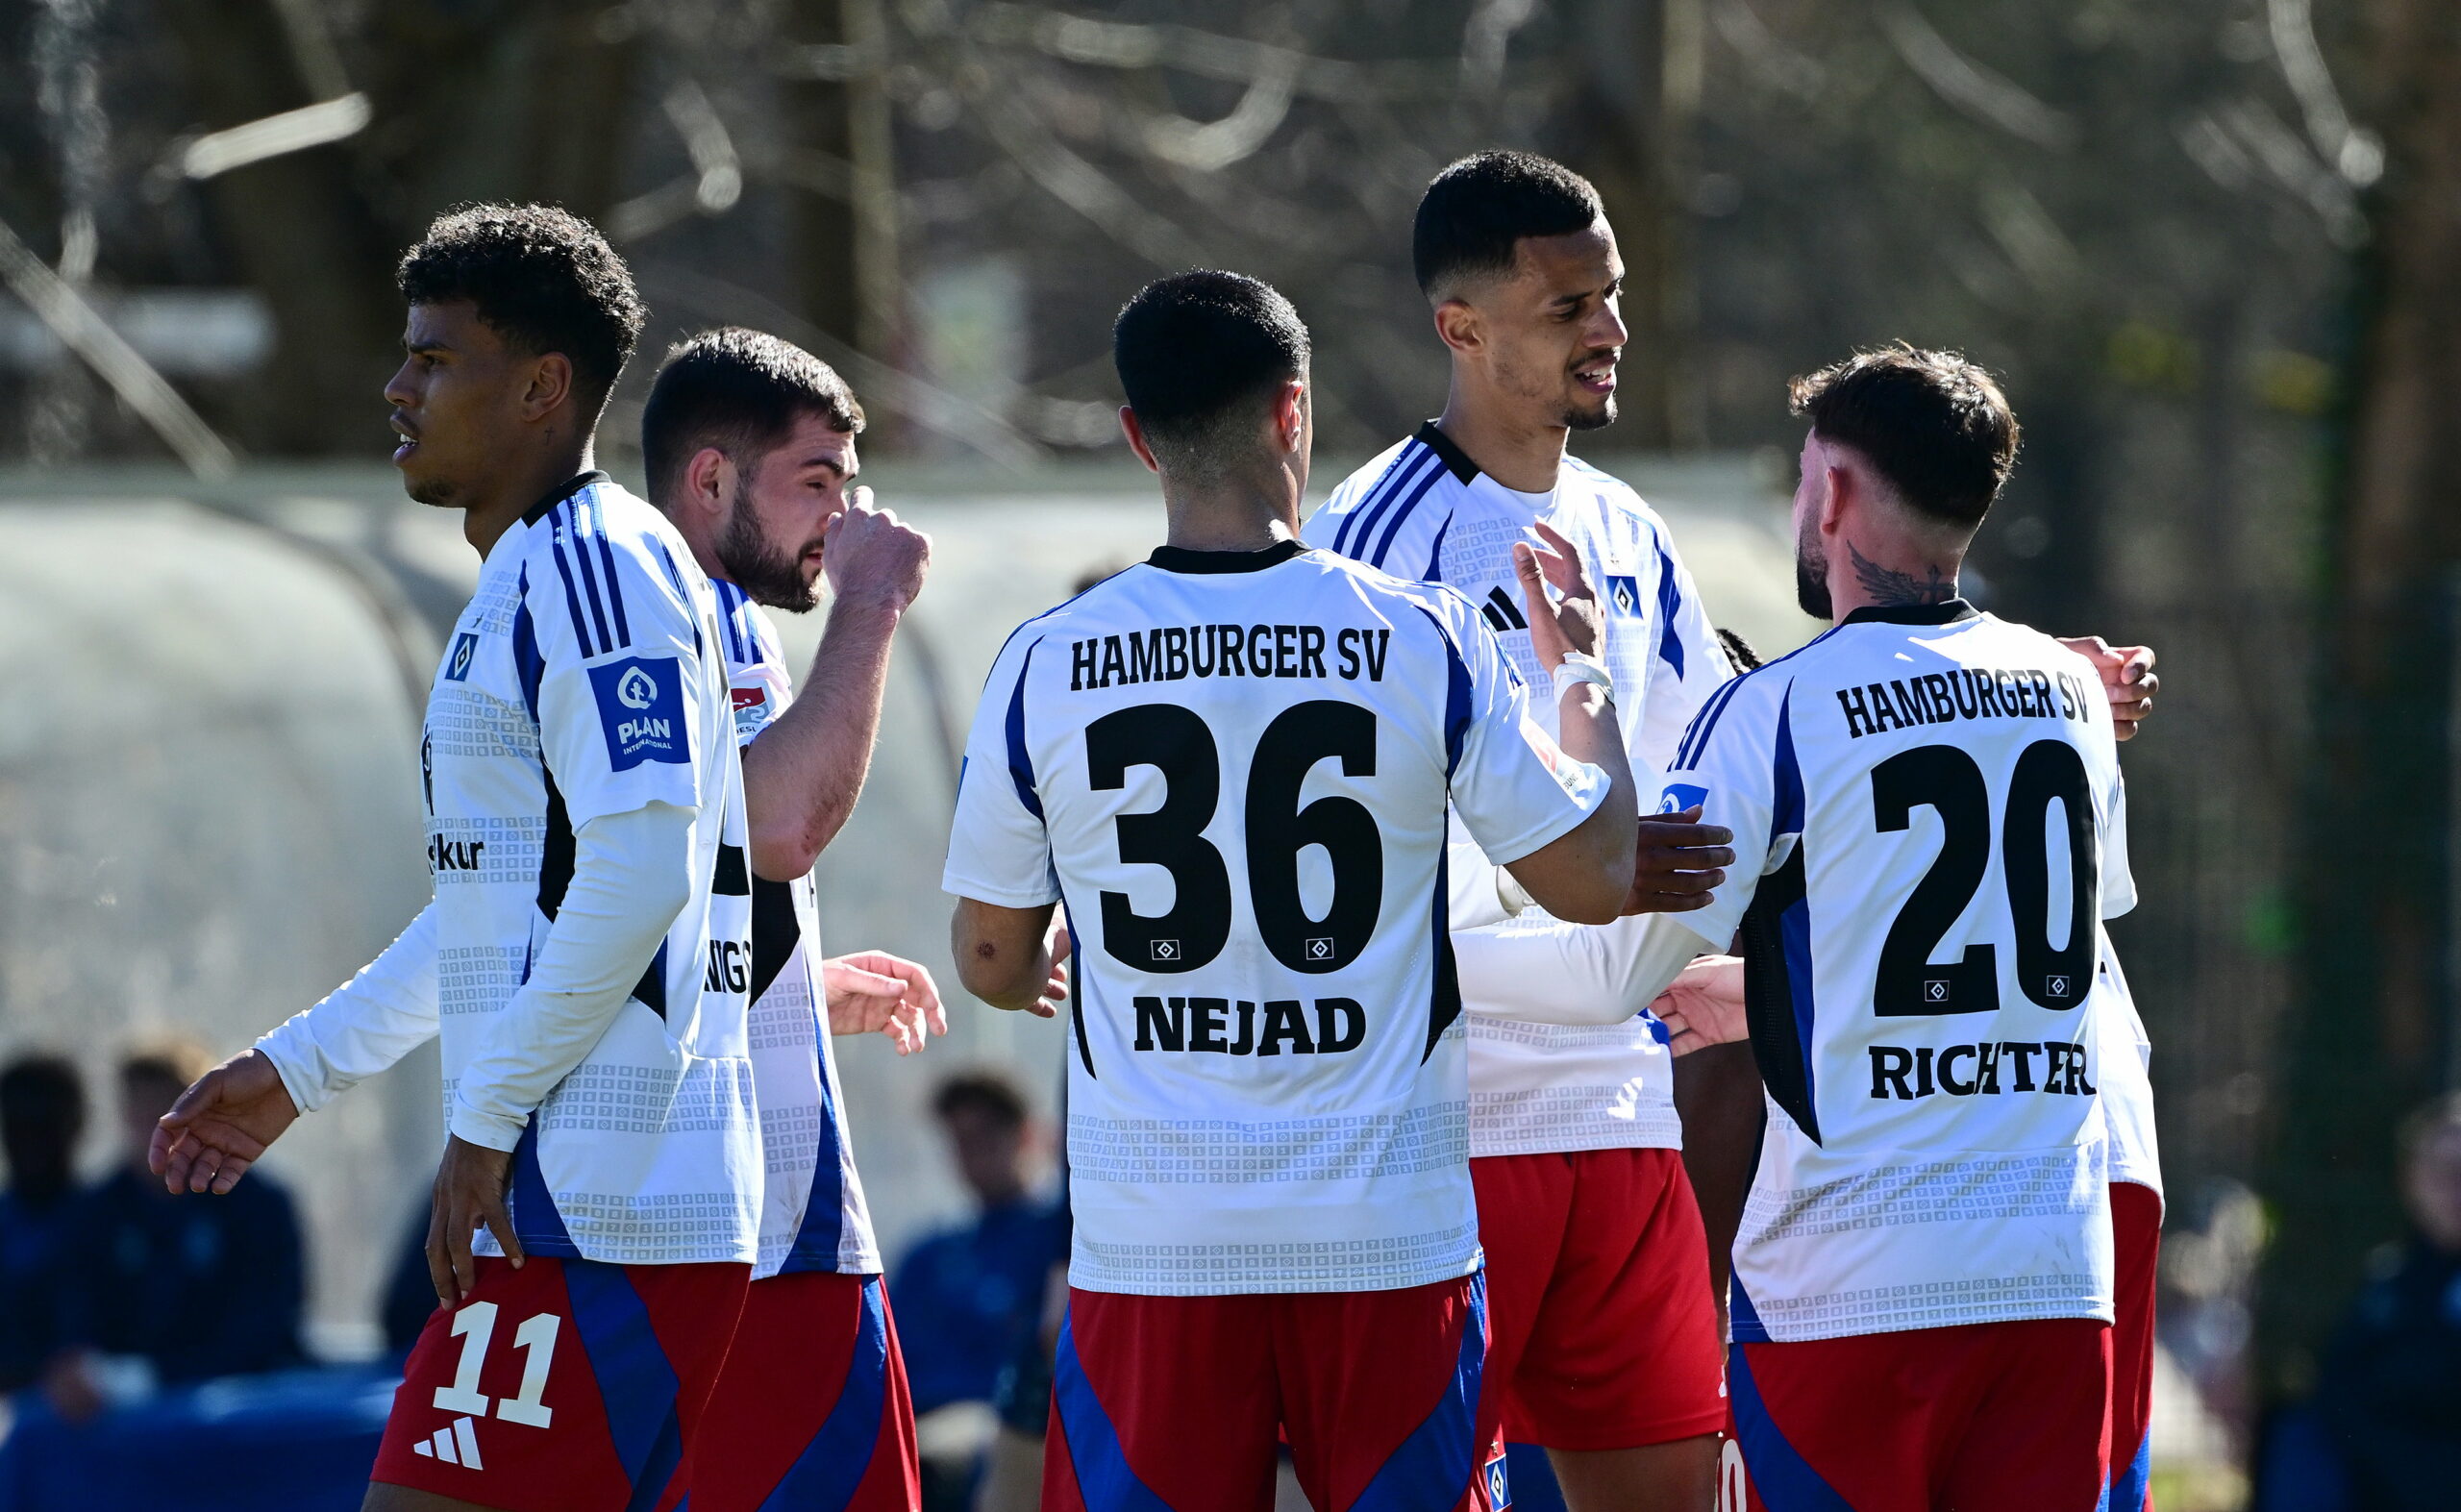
(1457, 462)
(1179, 558)
(555, 496)
(1946, 612)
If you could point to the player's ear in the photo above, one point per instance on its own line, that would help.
(1460, 325)
(1136, 443)
(551, 384)
(1844, 493)
(1290, 416)
(708, 477)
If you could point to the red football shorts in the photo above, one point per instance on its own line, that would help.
(563, 1386)
(1990, 1417)
(1604, 1333)
(2136, 1229)
(811, 1411)
(1179, 1402)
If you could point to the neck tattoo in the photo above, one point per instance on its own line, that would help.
(1887, 585)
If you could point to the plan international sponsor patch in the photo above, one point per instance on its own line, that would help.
(640, 706)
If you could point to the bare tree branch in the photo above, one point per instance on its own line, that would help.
(87, 334)
(1968, 85)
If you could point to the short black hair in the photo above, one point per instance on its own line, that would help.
(40, 1084)
(739, 390)
(988, 1091)
(541, 277)
(1199, 356)
(1740, 653)
(1934, 425)
(1474, 213)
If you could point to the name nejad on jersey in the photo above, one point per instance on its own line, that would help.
(1964, 1071)
(1172, 652)
(1227, 1026)
(1937, 698)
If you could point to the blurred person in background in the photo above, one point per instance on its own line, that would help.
(2388, 1395)
(193, 1289)
(42, 1115)
(972, 1293)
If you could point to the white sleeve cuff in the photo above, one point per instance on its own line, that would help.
(491, 1129)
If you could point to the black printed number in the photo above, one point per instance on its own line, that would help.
(1278, 829)
(1176, 742)
(1947, 781)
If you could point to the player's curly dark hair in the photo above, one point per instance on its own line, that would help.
(741, 391)
(1474, 215)
(1935, 424)
(541, 277)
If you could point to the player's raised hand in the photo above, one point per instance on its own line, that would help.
(2128, 680)
(1572, 620)
(1704, 1006)
(1679, 863)
(469, 1192)
(868, 552)
(872, 992)
(221, 1126)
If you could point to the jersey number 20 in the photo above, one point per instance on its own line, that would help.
(1172, 740)
(1945, 779)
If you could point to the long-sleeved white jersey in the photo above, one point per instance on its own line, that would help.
(579, 746)
(1422, 510)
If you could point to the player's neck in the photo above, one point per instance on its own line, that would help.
(1234, 515)
(1515, 452)
(1890, 575)
(519, 486)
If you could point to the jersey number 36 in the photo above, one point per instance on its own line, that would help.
(1175, 741)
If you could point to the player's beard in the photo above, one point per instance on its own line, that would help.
(1811, 574)
(1576, 419)
(767, 576)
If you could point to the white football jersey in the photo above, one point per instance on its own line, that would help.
(584, 679)
(1232, 768)
(812, 1217)
(1930, 827)
(2127, 1083)
(1423, 510)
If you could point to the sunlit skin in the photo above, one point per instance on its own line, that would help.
(485, 427)
(1535, 352)
(777, 510)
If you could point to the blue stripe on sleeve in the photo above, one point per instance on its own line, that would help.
(1418, 491)
(1370, 496)
(588, 578)
(607, 558)
(1389, 487)
(1670, 604)
(1021, 762)
(572, 600)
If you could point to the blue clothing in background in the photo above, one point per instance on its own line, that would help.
(200, 1285)
(968, 1298)
(2388, 1393)
(33, 1239)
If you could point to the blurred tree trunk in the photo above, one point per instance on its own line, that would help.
(2373, 1036)
(845, 213)
(1625, 119)
(299, 232)
(509, 100)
